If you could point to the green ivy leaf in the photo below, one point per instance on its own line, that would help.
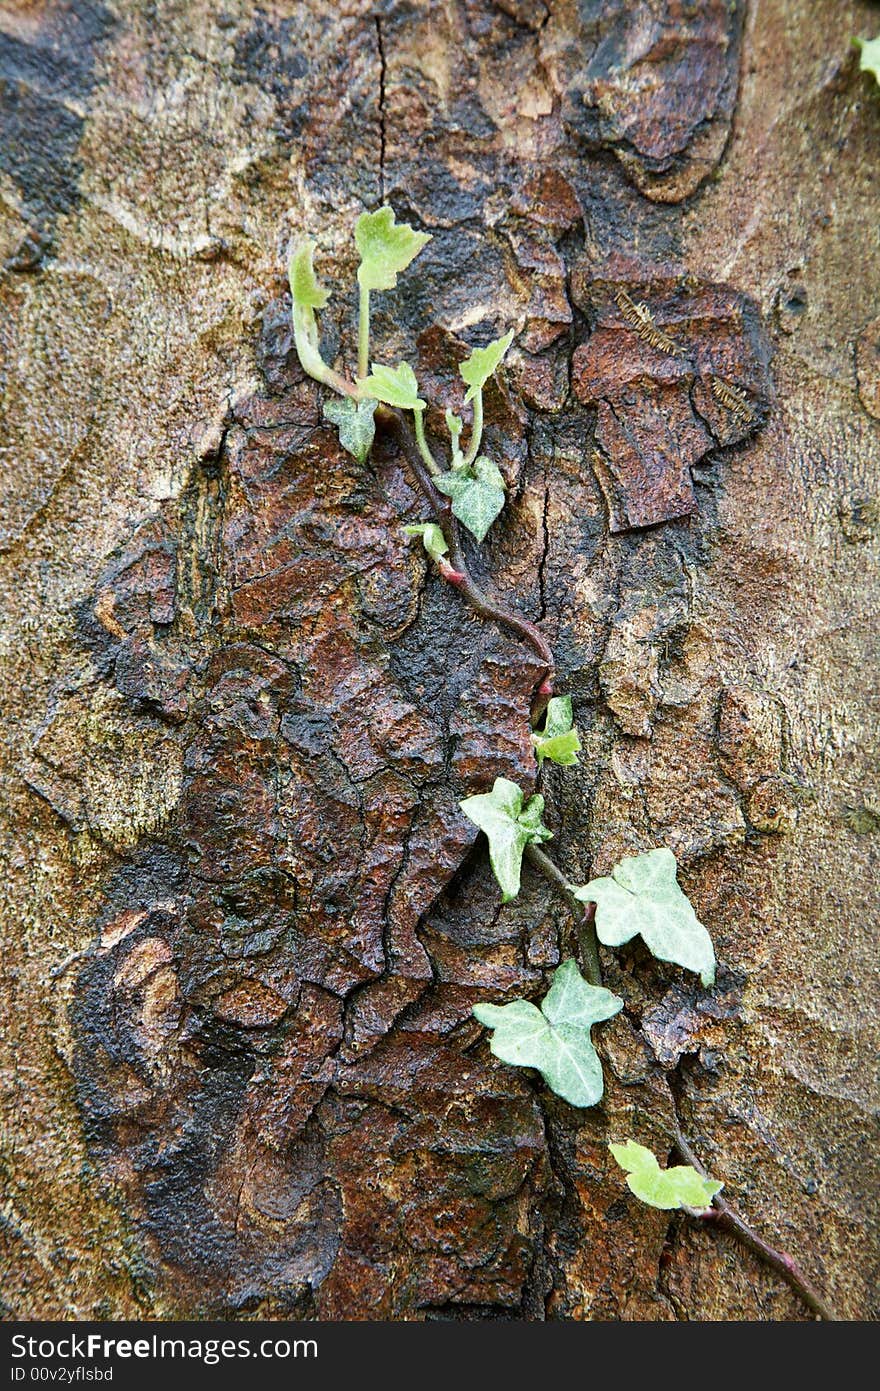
(642, 897)
(396, 386)
(386, 248)
(477, 492)
(433, 539)
(555, 1039)
(510, 827)
(680, 1186)
(870, 57)
(357, 429)
(304, 287)
(558, 740)
(478, 368)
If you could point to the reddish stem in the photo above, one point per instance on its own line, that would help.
(456, 571)
(583, 913)
(723, 1216)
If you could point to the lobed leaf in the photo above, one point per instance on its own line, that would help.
(304, 287)
(558, 740)
(642, 898)
(357, 428)
(870, 55)
(396, 386)
(509, 827)
(680, 1186)
(555, 1039)
(433, 539)
(477, 493)
(386, 248)
(478, 368)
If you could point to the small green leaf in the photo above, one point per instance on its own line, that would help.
(510, 827)
(357, 429)
(478, 368)
(396, 386)
(477, 492)
(433, 539)
(680, 1186)
(386, 248)
(643, 897)
(558, 740)
(555, 1039)
(870, 59)
(304, 287)
(454, 425)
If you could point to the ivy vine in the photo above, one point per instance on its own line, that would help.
(641, 897)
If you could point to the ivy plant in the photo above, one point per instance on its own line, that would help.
(555, 1039)
(477, 493)
(356, 424)
(641, 897)
(870, 56)
(557, 739)
(678, 1187)
(386, 248)
(510, 824)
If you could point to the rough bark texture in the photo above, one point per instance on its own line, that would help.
(244, 923)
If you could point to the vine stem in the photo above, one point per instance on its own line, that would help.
(363, 332)
(420, 460)
(456, 570)
(476, 428)
(583, 914)
(723, 1216)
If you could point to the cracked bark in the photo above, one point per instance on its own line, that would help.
(246, 923)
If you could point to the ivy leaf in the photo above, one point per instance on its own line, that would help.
(478, 368)
(680, 1186)
(304, 287)
(555, 1039)
(510, 827)
(386, 248)
(870, 59)
(477, 492)
(357, 429)
(396, 386)
(433, 539)
(558, 740)
(643, 897)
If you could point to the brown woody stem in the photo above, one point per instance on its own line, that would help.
(583, 914)
(723, 1216)
(484, 606)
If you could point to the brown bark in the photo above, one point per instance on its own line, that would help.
(244, 922)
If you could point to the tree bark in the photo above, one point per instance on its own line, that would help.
(245, 923)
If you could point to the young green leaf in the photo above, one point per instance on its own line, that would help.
(396, 386)
(870, 59)
(680, 1186)
(478, 368)
(642, 897)
(433, 539)
(477, 492)
(454, 426)
(555, 1039)
(308, 296)
(386, 248)
(357, 429)
(510, 827)
(558, 740)
(304, 287)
